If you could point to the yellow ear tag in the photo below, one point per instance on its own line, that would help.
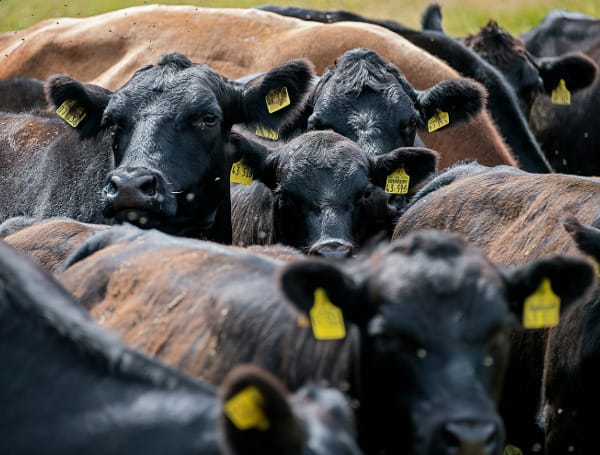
(245, 409)
(240, 173)
(512, 450)
(597, 267)
(438, 121)
(267, 133)
(326, 319)
(561, 94)
(397, 182)
(542, 308)
(71, 113)
(277, 99)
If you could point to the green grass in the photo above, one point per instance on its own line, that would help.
(460, 16)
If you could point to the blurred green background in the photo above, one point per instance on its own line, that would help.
(460, 16)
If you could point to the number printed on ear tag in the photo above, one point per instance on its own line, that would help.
(542, 308)
(267, 133)
(326, 319)
(240, 173)
(439, 120)
(397, 182)
(71, 112)
(277, 99)
(245, 409)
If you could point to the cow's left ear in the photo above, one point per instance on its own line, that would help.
(277, 97)
(586, 237)
(567, 277)
(256, 415)
(311, 282)
(259, 158)
(459, 98)
(418, 163)
(576, 69)
(80, 105)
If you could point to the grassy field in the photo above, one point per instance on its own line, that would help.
(460, 16)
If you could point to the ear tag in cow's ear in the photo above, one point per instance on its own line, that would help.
(512, 450)
(561, 94)
(542, 308)
(596, 267)
(245, 410)
(277, 99)
(326, 319)
(267, 133)
(240, 173)
(71, 113)
(397, 182)
(439, 120)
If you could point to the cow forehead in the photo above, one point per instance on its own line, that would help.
(196, 85)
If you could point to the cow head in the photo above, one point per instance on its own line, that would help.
(368, 100)
(527, 74)
(323, 185)
(170, 126)
(434, 316)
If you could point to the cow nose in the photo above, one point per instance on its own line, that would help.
(470, 438)
(131, 189)
(334, 249)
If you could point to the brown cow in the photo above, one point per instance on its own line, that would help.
(106, 49)
(514, 217)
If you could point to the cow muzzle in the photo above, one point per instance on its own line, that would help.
(333, 249)
(468, 437)
(134, 191)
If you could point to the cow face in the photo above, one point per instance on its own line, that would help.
(323, 185)
(370, 101)
(170, 126)
(435, 316)
(528, 75)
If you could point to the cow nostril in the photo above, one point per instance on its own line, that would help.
(149, 186)
(112, 187)
(334, 250)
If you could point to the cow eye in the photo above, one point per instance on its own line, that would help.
(209, 119)
(410, 125)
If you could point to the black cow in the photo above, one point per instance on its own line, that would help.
(22, 94)
(572, 369)
(67, 386)
(425, 341)
(156, 152)
(568, 134)
(528, 75)
(367, 99)
(502, 101)
(321, 192)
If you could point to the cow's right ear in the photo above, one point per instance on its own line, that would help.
(431, 19)
(261, 160)
(80, 105)
(256, 415)
(306, 282)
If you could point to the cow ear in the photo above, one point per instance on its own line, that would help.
(576, 69)
(431, 19)
(304, 282)
(587, 238)
(276, 98)
(258, 157)
(81, 105)
(460, 98)
(256, 415)
(418, 163)
(567, 277)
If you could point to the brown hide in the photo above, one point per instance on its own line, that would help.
(51, 242)
(182, 316)
(512, 217)
(107, 49)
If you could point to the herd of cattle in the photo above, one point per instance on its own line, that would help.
(311, 233)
